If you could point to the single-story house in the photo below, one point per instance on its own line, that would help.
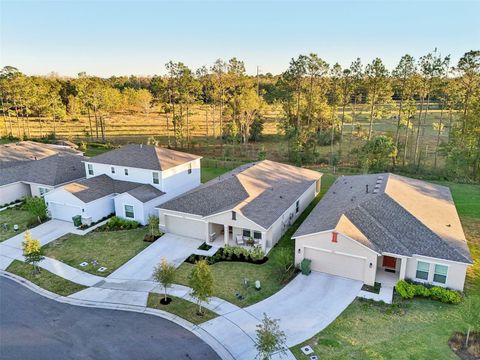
(129, 181)
(37, 177)
(385, 227)
(256, 202)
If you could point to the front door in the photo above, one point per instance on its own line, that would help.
(389, 262)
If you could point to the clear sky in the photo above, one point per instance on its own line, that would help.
(132, 37)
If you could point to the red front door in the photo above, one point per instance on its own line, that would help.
(389, 262)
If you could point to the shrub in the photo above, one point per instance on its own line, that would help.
(408, 291)
(116, 223)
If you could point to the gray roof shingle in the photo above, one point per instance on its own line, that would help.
(145, 193)
(144, 157)
(398, 215)
(53, 170)
(261, 191)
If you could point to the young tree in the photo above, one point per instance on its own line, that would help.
(270, 338)
(377, 152)
(164, 274)
(32, 251)
(37, 206)
(201, 282)
(153, 224)
(470, 313)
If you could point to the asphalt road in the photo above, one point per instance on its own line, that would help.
(34, 327)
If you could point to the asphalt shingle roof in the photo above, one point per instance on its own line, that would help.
(145, 193)
(53, 170)
(398, 215)
(260, 191)
(144, 157)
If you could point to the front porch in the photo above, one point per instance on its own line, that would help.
(220, 235)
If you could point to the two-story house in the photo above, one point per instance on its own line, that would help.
(130, 182)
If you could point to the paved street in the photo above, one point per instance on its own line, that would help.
(33, 327)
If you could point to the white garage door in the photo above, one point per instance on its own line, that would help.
(185, 227)
(64, 212)
(336, 264)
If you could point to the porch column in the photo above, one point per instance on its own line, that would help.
(264, 241)
(207, 232)
(225, 234)
(403, 268)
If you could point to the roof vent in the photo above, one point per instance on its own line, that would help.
(375, 191)
(141, 146)
(449, 225)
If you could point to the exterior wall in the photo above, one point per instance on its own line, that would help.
(455, 275)
(284, 222)
(57, 198)
(138, 208)
(242, 222)
(34, 188)
(174, 181)
(14, 191)
(99, 208)
(183, 224)
(344, 246)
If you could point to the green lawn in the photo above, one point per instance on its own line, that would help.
(183, 308)
(111, 249)
(229, 276)
(416, 329)
(15, 216)
(45, 279)
(209, 173)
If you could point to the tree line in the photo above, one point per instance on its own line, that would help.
(319, 102)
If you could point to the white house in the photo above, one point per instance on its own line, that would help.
(385, 227)
(253, 204)
(37, 177)
(130, 182)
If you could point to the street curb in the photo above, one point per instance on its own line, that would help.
(221, 351)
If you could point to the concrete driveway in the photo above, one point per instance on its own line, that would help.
(304, 307)
(45, 233)
(172, 247)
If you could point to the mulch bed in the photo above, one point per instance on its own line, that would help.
(457, 344)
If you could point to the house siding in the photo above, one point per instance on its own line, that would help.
(13, 192)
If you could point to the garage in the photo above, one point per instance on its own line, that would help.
(185, 227)
(336, 263)
(63, 211)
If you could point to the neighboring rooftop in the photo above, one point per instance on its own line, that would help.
(99, 186)
(14, 154)
(144, 157)
(53, 170)
(392, 213)
(261, 191)
(145, 193)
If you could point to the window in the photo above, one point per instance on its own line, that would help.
(297, 206)
(126, 172)
(234, 215)
(257, 235)
(112, 169)
(42, 191)
(246, 233)
(90, 169)
(129, 211)
(422, 270)
(189, 168)
(440, 274)
(155, 177)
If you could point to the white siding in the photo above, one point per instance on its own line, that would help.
(343, 247)
(14, 191)
(138, 208)
(34, 188)
(185, 226)
(455, 276)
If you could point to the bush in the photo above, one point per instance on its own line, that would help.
(232, 253)
(408, 290)
(116, 223)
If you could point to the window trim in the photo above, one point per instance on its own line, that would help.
(255, 233)
(125, 211)
(43, 190)
(90, 169)
(234, 215)
(249, 233)
(157, 178)
(435, 273)
(428, 271)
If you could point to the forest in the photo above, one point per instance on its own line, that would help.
(421, 117)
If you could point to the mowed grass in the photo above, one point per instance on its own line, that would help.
(111, 249)
(14, 216)
(415, 329)
(229, 276)
(45, 279)
(209, 173)
(183, 308)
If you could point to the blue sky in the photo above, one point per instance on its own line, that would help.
(133, 37)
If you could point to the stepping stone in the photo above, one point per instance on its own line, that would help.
(102, 269)
(83, 264)
(307, 350)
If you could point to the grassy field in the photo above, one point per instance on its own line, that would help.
(416, 329)
(229, 276)
(183, 308)
(111, 249)
(45, 279)
(14, 216)
(211, 173)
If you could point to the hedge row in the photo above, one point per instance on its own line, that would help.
(408, 291)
